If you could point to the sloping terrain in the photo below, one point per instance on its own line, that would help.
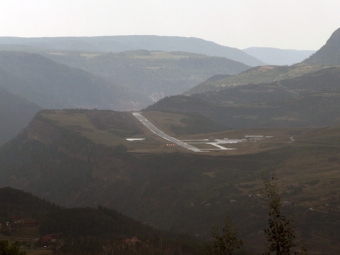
(274, 56)
(135, 42)
(311, 100)
(329, 54)
(15, 113)
(29, 218)
(152, 74)
(182, 191)
(53, 85)
(256, 75)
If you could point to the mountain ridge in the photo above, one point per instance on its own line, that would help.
(275, 56)
(329, 54)
(137, 42)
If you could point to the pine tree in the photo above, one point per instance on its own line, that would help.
(227, 242)
(13, 249)
(281, 230)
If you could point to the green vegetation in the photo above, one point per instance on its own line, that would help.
(7, 249)
(280, 232)
(226, 243)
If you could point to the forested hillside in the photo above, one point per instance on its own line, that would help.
(85, 230)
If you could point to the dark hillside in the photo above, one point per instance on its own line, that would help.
(75, 228)
(329, 54)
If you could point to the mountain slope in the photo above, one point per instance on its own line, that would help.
(15, 112)
(153, 74)
(53, 85)
(311, 100)
(80, 230)
(185, 192)
(329, 54)
(136, 42)
(274, 56)
(256, 75)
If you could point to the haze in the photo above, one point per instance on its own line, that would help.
(303, 24)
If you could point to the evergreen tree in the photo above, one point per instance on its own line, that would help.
(281, 231)
(225, 243)
(7, 249)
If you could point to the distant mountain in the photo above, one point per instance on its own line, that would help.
(136, 42)
(15, 112)
(329, 54)
(311, 100)
(273, 56)
(53, 85)
(152, 74)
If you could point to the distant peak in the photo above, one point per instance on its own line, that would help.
(335, 35)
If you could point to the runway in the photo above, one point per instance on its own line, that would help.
(160, 133)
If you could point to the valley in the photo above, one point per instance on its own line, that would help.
(152, 140)
(87, 154)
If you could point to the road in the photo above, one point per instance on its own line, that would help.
(160, 133)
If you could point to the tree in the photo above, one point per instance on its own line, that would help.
(7, 249)
(227, 242)
(281, 231)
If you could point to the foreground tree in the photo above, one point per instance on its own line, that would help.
(225, 243)
(7, 249)
(281, 231)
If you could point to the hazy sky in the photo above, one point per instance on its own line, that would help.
(290, 24)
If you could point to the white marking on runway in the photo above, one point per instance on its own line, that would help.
(160, 133)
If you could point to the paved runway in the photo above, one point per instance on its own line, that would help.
(160, 133)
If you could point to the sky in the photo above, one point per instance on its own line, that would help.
(285, 24)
